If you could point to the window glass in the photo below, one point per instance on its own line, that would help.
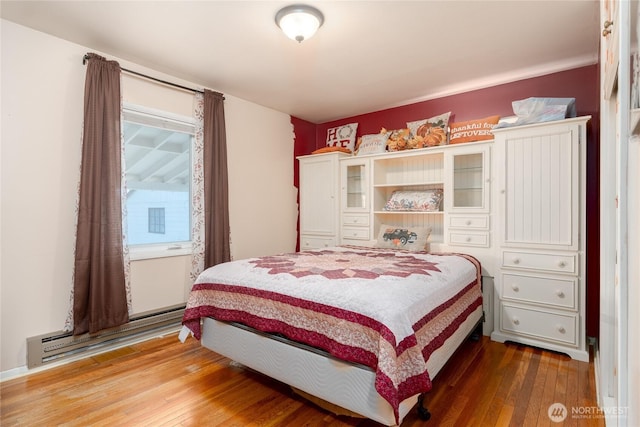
(157, 149)
(156, 220)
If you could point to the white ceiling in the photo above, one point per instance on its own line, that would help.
(368, 55)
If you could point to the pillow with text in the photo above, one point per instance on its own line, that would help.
(343, 136)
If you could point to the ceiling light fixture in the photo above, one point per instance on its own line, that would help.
(299, 21)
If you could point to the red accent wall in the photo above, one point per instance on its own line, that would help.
(579, 83)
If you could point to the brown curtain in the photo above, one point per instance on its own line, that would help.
(100, 299)
(217, 248)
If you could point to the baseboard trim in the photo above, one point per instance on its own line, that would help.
(24, 370)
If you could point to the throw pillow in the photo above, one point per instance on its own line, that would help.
(373, 144)
(472, 130)
(426, 201)
(342, 136)
(399, 237)
(429, 132)
(331, 150)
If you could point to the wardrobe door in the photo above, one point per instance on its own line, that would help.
(541, 188)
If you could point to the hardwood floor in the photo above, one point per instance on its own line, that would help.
(163, 382)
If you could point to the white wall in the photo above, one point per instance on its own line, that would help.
(261, 192)
(42, 85)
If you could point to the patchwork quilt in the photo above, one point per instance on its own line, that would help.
(386, 309)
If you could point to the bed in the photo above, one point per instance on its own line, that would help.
(364, 329)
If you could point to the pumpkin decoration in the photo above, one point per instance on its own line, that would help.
(431, 135)
(398, 139)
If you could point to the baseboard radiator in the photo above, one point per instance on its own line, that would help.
(56, 346)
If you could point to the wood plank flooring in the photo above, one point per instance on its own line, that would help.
(163, 382)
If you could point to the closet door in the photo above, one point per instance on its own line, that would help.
(541, 188)
(618, 341)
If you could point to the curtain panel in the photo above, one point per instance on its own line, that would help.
(197, 192)
(99, 290)
(217, 246)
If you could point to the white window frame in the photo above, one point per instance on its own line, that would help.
(170, 121)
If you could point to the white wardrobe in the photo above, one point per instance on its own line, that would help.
(319, 200)
(540, 215)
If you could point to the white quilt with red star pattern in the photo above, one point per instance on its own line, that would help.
(386, 309)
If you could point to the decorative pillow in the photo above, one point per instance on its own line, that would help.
(472, 130)
(408, 238)
(373, 144)
(429, 132)
(425, 200)
(342, 136)
(331, 150)
(398, 139)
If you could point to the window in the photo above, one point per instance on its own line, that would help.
(156, 220)
(157, 151)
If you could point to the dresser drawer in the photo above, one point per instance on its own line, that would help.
(537, 323)
(470, 222)
(316, 242)
(355, 219)
(558, 263)
(469, 239)
(357, 233)
(557, 292)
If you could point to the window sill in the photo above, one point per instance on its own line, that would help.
(159, 251)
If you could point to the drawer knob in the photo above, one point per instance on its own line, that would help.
(515, 287)
(516, 321)
(560, 294)
(468, 222)
(561, 329)
(468, 239)
(562, 264)
(516, 260)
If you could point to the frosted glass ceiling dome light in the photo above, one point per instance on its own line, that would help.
(299, 22)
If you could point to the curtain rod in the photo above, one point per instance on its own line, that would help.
(86, 58)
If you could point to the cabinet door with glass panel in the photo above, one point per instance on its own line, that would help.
(355, 207)
(354, 176)
(467, 198)
(468, 188)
